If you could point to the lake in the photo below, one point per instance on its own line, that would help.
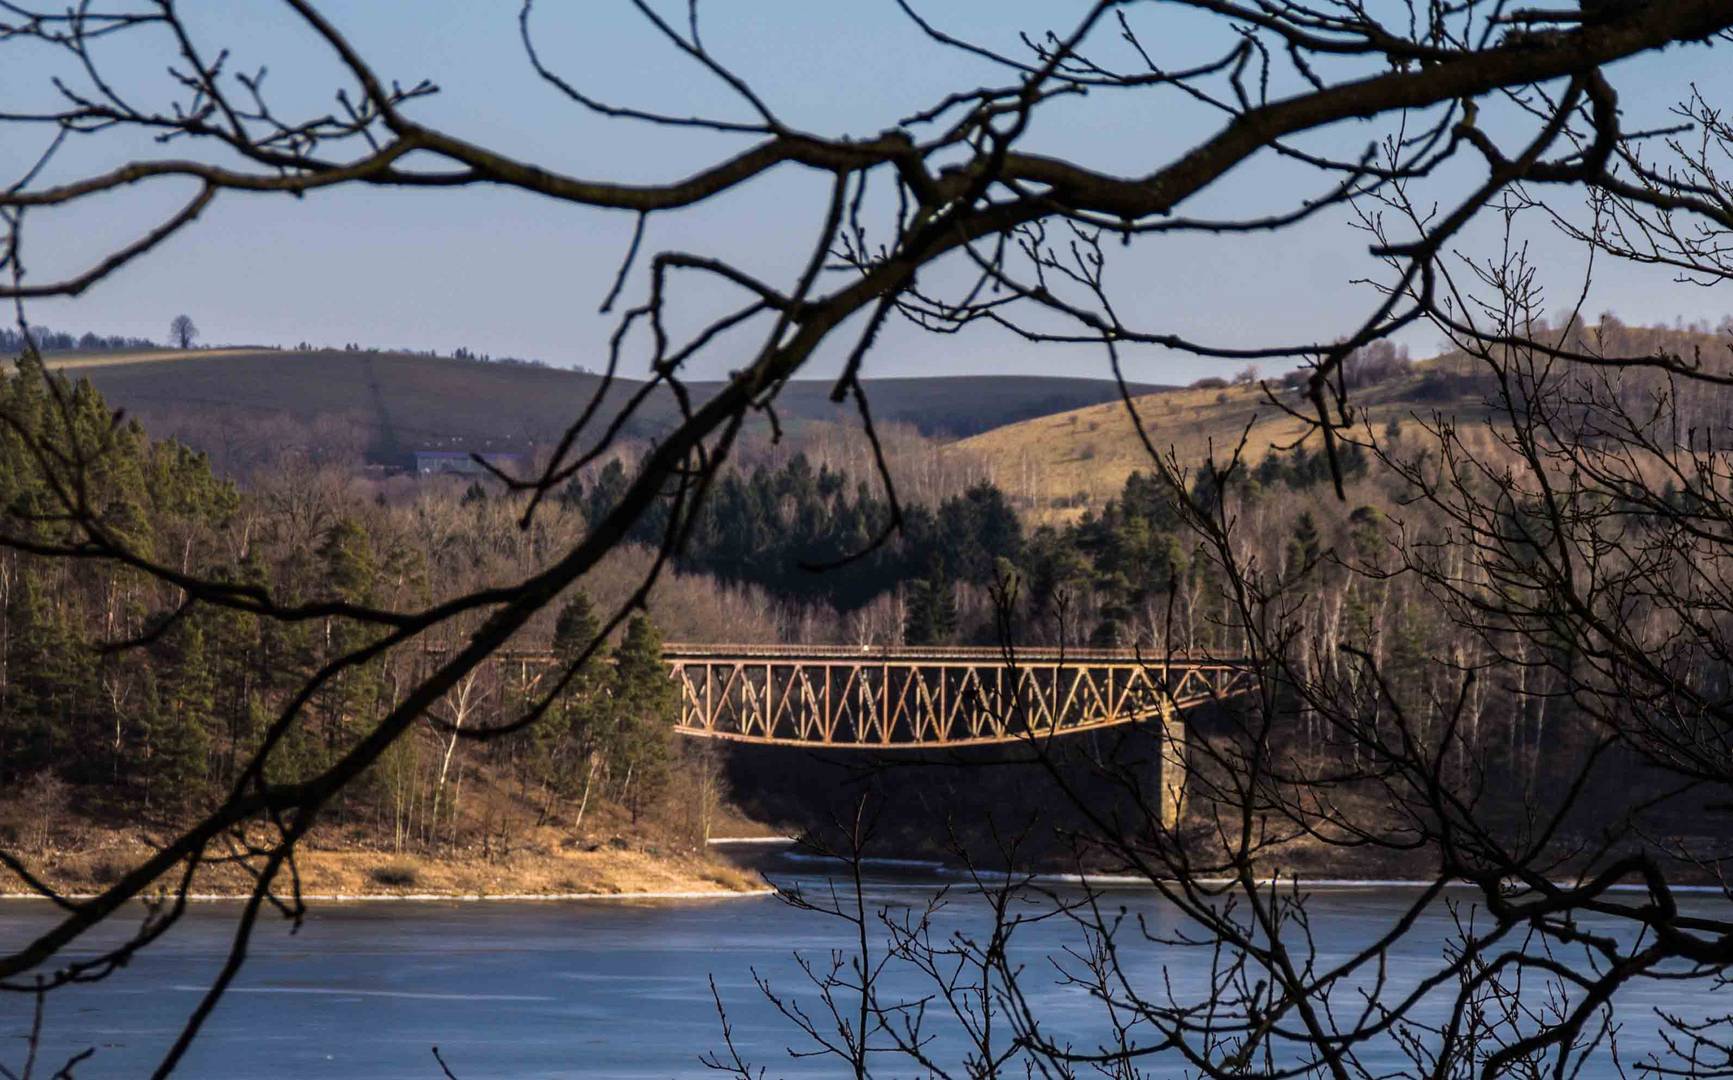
(587, 989)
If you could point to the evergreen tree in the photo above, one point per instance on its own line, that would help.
(36, 654)
(1304, 547)
(645, 706)
(179, 769)
(932, 615)
(351, 572)
(981, 526)
(575, 628)
(63, 703)
(1366, 523)
(605, 491)
(563, 742)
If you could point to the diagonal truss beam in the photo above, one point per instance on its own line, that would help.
(865, 699)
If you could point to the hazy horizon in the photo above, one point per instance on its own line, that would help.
(511, 275)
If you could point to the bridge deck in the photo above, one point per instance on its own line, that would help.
(971, 654)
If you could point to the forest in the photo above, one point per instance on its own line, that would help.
(124, 698)
(122, 694)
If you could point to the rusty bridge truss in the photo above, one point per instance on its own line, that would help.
(875, 699)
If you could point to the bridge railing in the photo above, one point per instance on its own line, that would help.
(974, 654)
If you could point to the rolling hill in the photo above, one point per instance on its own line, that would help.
(1055, 465)
(1055, 444)
(389, 403)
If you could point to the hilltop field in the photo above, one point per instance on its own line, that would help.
(245, 404)
(1056, 466)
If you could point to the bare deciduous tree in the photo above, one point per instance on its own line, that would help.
(947, 218)
(182, 331)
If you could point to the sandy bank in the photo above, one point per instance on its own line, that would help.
(547, 866)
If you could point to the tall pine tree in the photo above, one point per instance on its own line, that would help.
(645, 706)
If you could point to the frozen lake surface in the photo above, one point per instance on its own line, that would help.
(591, 989)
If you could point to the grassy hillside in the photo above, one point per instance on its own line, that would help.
(1054, 465)
(390, 402)
(1057, 464)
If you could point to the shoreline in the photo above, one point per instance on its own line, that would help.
(753, 841)
(467, 898)
(721, 868)
(941, 871)
(937, 874)
(1110, 881)
(548, 865)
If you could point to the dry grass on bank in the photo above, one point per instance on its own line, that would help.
(546, 866)
(498, 848)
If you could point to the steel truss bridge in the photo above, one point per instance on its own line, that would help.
(934, 699)
(844, 698)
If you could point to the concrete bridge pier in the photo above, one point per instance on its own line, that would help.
(1171, 781)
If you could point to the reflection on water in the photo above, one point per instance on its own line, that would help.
(617, 989)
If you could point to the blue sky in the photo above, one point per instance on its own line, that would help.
(509, 274)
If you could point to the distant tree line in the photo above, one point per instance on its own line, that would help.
(13, 343)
